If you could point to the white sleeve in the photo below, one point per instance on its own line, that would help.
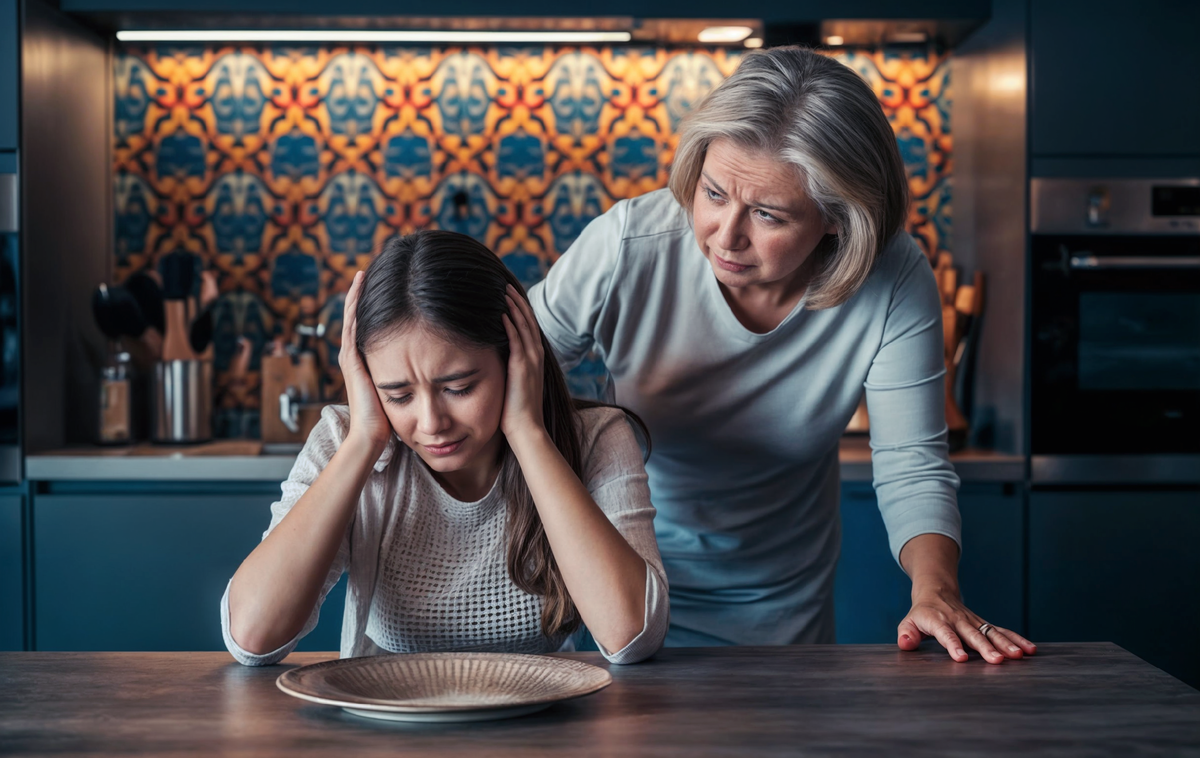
(322, 443)
(569, 301)
(914, 480)
(616, 478)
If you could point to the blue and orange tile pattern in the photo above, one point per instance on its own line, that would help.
(284, 168)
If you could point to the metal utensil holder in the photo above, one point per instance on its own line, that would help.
(182, 401)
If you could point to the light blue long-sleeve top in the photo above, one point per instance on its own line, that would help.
(745, 426)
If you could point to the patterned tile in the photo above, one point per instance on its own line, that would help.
(284, 168)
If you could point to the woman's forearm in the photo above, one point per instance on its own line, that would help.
(931, 562)
(605, 576)
(275, 589)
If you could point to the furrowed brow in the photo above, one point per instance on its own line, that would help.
(439, 380)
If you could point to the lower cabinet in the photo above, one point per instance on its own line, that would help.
(872, 594)
(1118, 566)
(12, 575)
(146, 571)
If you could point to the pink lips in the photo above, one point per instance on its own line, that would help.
(729, 265)
(448, 449)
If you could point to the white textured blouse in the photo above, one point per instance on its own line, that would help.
(427, 572)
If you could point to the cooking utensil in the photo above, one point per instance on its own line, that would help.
(201, 332)
(117, 312)
(149, 297)
(178, 271)
(175, 340)
(443, 687)
(102, 311)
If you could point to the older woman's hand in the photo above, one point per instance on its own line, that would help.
(938, 610)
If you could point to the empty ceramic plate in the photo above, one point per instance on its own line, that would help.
(444, 686)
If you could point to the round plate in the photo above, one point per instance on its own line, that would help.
(444, 686)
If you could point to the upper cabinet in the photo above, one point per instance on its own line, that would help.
(1115, 78)
(9, 56)
(769, 11)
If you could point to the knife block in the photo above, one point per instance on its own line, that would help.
(279, 374)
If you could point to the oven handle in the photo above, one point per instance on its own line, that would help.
(1086, 262)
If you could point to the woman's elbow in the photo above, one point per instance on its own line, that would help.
(617, 639)
(251, 639)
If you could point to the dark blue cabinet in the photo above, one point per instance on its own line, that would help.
(146, 571)
(1119, 566)
(872, 593)
(9, 73)
(1115, 79)
(12, 605)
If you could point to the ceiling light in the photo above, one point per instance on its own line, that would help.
(342, 35)
(834, 40)
(725, 34)
(753, 42)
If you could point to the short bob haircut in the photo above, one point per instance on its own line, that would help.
(810, 111)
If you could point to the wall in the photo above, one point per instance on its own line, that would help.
(284, 168)
(67, 218)
(990, 191)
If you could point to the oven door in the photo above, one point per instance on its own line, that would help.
(1115, 363)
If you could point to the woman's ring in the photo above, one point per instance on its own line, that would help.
(985, 627)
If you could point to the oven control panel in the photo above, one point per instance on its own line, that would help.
(1115, 206)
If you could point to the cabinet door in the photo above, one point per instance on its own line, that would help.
(1120, 567)
(991, 570)
(1115, 78)
(146, 571)
(9, 56)
(872, 593)
(12, 605)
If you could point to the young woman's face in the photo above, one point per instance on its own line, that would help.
(443, 400)
(753, 220)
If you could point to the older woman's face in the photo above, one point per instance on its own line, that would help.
(753, 220)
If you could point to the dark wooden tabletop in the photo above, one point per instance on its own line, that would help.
(848, 700)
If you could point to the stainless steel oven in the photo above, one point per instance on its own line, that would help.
(1115, 331)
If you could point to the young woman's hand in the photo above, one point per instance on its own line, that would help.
(369, 425)
(526, 361)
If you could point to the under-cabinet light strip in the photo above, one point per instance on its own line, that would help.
(344, 35)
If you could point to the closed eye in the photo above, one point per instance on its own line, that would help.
(460, 391)
(399, 399)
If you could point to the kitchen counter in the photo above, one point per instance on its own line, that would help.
(843, 700)
(244, 461)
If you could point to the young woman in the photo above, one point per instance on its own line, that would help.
(473, 503)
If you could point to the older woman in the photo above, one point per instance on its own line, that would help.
(741, 314)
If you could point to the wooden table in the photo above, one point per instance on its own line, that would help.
(1093, 699)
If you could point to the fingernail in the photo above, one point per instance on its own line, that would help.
(959, 651)
(905, 637)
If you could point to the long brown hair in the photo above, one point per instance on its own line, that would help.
(454, 285)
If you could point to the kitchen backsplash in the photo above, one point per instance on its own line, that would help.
(284, 168)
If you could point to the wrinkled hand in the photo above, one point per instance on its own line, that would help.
(941, 614)
(368, 423)
(526, 362)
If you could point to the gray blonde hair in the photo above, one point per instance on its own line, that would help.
(818, 115)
